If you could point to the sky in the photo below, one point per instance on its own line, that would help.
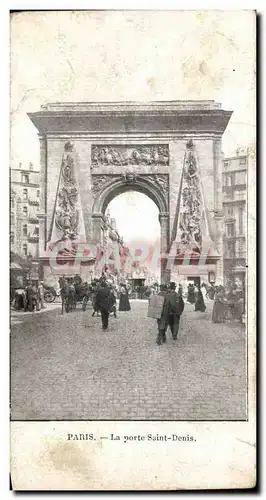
(142, 222)
(131, 55)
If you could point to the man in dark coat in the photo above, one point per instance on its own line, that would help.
(31, 297)
(161, 322)
(103, 302)
(172, 309)
(191, 294)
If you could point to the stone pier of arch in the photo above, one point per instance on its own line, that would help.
(124, 146)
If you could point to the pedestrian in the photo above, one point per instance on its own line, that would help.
(31, 297)
(161, 322)
(199, 304)
(124, 304)
(191, 294)
(172, 309)
(219, 306)
(103, 302)
(112, 299)
(40, 296)
(77, 279)
(72, 293)
(95, 288)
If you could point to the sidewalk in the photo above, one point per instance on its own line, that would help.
(17, 316)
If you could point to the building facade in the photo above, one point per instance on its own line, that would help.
(24, 209)
(235, 217)
(92, 152)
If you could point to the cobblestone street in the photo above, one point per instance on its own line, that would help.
(67, 368)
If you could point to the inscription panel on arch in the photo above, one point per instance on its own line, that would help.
(142, 154)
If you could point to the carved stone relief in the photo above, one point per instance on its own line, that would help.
(67, 212)
(191, 210)
(153, 154)
(101, 181)
(161, 181)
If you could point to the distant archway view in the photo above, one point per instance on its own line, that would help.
(135, 217)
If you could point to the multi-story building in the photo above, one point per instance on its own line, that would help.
(13, 221)
(235, 217)
(24, 223)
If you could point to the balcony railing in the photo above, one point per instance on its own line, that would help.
(33, 201)
(33, 219)
(34, 238)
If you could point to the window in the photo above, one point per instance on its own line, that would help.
(25, 178)
(226, 164)
(240, 178)
(243, 162)
(230, 230)
(12, 238)
(241, 220)
(25, 194)
(230, 211)
(25, 230)
(229, 180)
(12, 203)
(231, 250)
(12, 218)
(25, 210)
(242, 248)
(38, 193)
(25, 249)
(36, 231)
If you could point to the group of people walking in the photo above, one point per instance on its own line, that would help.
(31, 298)
(104, 300)
(228, 304)
(195, 296)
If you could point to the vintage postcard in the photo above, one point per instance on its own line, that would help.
(132, 250)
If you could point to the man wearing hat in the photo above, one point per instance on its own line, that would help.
(162, 321)
(172, 309)
(40, 296)
(103, 303)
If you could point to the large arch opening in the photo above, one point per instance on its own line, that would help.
(140, 210)
(139, 184)
(136, 218)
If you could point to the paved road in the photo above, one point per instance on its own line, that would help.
(66, 367)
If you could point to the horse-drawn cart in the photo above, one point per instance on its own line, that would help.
(73, 294)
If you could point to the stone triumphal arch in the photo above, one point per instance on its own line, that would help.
(170, 151)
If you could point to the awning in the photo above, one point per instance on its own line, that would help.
(16, 266)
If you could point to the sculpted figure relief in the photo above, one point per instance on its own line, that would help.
(191, 205)
(127, 155)
(67, 212)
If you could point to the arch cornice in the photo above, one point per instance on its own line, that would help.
(107, 187)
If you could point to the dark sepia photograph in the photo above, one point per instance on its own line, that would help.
(132, 146)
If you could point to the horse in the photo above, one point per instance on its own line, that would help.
(67, 299)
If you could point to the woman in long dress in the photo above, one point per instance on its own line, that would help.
(191, 294)
(218, 311)
(124, 304)
(199, 304)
